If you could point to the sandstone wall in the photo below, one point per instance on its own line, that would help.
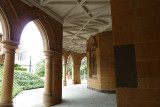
(137, 22)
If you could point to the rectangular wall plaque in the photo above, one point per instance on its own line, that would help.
(125, 66)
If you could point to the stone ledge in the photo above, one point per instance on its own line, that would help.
(103, 91)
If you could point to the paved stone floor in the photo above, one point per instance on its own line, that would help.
(73, 96)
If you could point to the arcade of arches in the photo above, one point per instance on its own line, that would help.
(125, 60)
(76, 63)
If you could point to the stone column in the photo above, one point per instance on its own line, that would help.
(8, 73)
(73, 74)
(78, 74)
(47, 96)
(57, 77)
(64, 74)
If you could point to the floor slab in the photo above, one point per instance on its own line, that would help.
(73, 96)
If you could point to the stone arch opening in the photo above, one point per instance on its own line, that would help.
(44, 35)
(64, 60)
(31, 46)
(83, 70)
(43, 25)
(5, 32)
(69, 71)
(28, 59)
(12, 38)
(1, 48)
(5, 25)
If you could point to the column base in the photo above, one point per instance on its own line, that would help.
(64, 83)
(57, 97)
(6, 104)
(79, 82)
(47, 100)
(73, 82)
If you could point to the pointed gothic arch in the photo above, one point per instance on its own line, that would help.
(43, 25)
(5, 24)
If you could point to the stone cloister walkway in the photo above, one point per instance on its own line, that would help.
(73, 96)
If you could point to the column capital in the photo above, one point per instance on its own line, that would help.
(10, 45)
(50, 53)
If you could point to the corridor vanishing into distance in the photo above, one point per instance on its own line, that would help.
(73, 96)
(119, 38)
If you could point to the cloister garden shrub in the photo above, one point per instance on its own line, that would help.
(23, 81)
(40, 68)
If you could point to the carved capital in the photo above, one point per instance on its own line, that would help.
(10, 46)
(48, 53)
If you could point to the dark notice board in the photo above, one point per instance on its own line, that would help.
(125, 66)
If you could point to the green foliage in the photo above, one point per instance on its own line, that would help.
(69, 66)
(69, 69)
(1, 67)
(20, 69)
(16, 89)
(83, 68)
(0, 76)
(1, 63)
(17, 65)
(27, 80)
(40, 68)
(23, 81)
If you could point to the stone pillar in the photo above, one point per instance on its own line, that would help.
(64, 74)
(57, 77)
(73, 74)
(77, 69)
(8, 73)
(47, 96)
(76, 74)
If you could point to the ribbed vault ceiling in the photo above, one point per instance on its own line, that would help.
(80, 18)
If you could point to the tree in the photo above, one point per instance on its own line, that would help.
(70, 69)
(40, 68)
(83, 68)
(83, 65)
(69, 65)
